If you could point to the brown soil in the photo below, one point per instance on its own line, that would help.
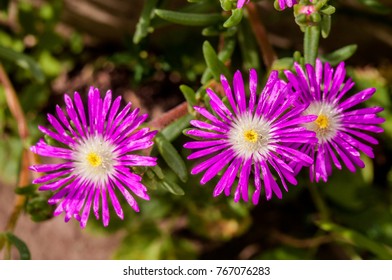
(64, 240)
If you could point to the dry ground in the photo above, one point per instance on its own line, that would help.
(55, 239)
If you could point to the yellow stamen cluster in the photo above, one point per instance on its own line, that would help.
(251, 136)
(94, 159)
(322, 121)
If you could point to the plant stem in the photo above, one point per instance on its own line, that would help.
(321, 206)
(28, 157)
(266, 49)
(313, 242)
(170, 116)
(311, 43)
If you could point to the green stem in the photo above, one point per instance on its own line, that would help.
(321, 206)
(311, 43)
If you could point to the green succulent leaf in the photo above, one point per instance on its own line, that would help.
(27, 190)
(325, 25)
(376, 6)
(173, 130)
(339, 55)
(24, 61)
(23, 250)
(143, 26)
(190, 19)
(190, 96)
(234, 19)
(214, 64)
(311, 41)
(359, 240)
(172, 187)
(171, 157)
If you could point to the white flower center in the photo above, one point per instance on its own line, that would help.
(327, 123)
(95, 159)
(249, 135)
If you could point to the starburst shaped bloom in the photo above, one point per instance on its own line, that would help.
(241, 3)
(342, 130)
(251, 137)
(97, 153)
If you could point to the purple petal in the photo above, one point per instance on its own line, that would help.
(203, 144)
(116, 204)
(363, 111)
(137, 160)
(55, 136)
(203, 111)
(208, 151)
(357, 98)
(216, 168)
(113, 112)
(208, 126)
(226, 182)
(82, 129)
(96, 202)
(87, 208)
(60, 130)
(105, 109)
(337, 81)
(371, 128)
(349, 84)
(239, 91)
(272, 79)
(219, 105)
(227, 89)
(320, 165)
(206, 164)
(51, 167)
(51, 176)
(43, 149)
(56, 184)
(363, 119)
(105, 208)
(128, 197)
(242, 188)
(335, 160)
(252, 89)
(256, 194)
(294, 155)
(360, 135)
(80, 110)
(205, 134)
(269, 182)
(357, 144)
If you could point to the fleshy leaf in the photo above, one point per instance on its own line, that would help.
(24, 251)
(143, 26)
(24, 61)
(359, 240)
(190, 96)
(213, 62)
(173, 130)
(325, 25)
(234, 19)
(172, 187)
(339, 55)
(171, 157)
(190, 19)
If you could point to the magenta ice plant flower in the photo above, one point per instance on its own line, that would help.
(251, 138)
(286, 3)
(342, 129)
(96, 153)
